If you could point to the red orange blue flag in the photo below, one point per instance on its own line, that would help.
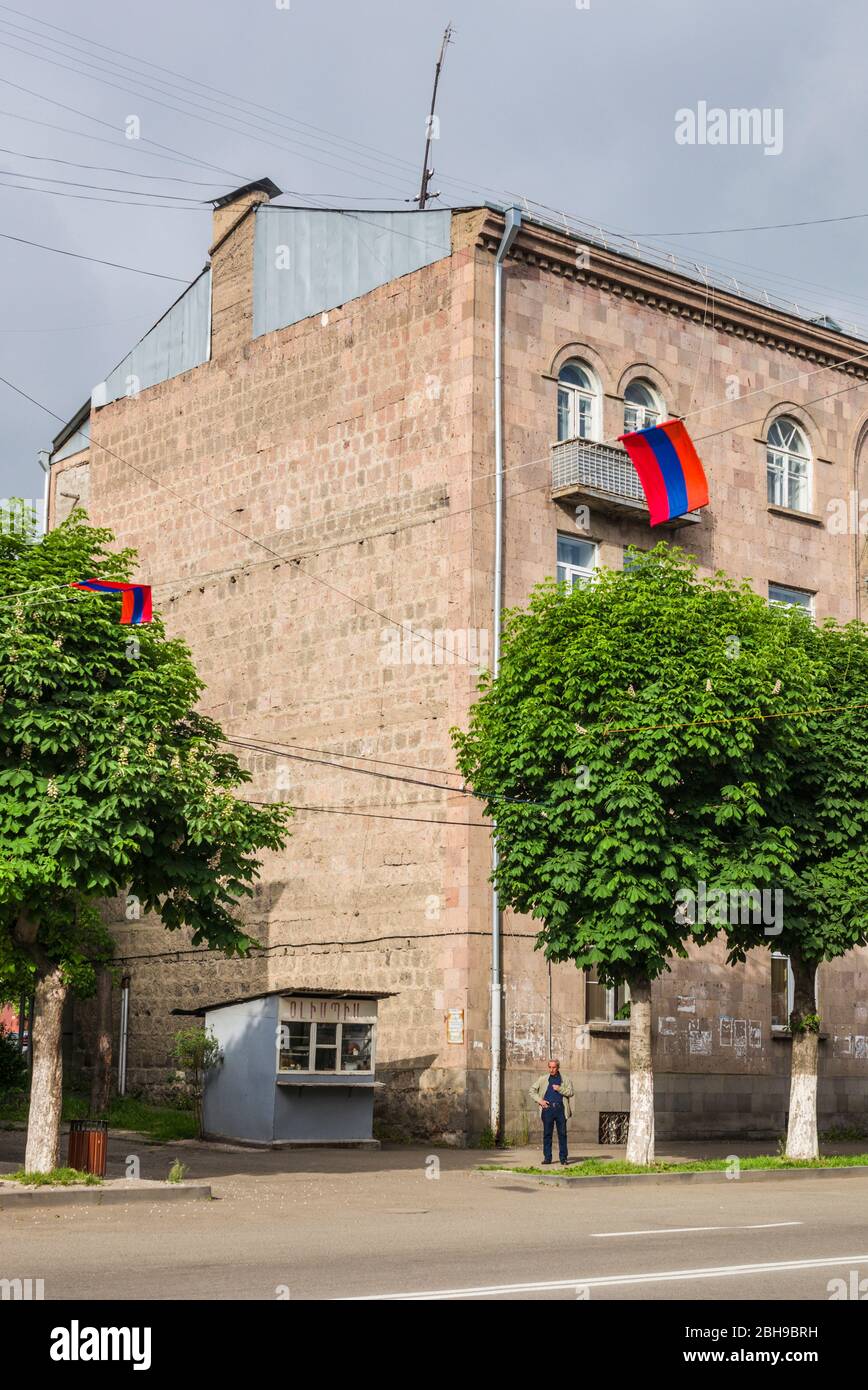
(135, 598)
(669, 470)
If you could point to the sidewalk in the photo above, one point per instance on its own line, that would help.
(206, 1161)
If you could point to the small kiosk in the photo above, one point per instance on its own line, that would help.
(297, 1068)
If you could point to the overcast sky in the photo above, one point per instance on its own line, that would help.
(572, 107)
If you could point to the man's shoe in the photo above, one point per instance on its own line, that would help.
(565, 1163)
(546, 1162)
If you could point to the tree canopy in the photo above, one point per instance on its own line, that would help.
(110, 780)
(621, 752)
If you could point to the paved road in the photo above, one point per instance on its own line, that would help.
(350, 1225)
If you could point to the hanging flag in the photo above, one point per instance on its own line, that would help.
(135, 598)
(669, 469)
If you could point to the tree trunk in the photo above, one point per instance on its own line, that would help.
(802, 1128)
(640, 1138)
(101, 1079)
(46, 1089)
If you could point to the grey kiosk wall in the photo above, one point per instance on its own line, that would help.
(298, 1068)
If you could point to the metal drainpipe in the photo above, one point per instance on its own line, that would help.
(857, 556)
(125, 1026)
(44, 459)
(510, 232)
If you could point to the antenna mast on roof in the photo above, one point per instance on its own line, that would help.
(431, 125)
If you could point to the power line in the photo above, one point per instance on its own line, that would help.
(344, 144)
(95, 260)
(357, 757)
(102, 168)
(133, 144)
(370, 815)
(371, 772)
(762, 227)
(133, 147)
(343, 767)
(106, 188)
(110, 202)
(180, 110)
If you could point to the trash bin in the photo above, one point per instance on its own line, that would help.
(88, 1143)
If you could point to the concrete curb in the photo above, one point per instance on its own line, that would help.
(100, 1196)
(656, 1179)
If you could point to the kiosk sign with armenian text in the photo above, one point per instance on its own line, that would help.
(327, 1010)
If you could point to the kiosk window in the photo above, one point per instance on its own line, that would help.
(325, 1047)
(356, 1047)
(294, 1047)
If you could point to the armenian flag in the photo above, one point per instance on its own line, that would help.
(135, 598)
(669, 469)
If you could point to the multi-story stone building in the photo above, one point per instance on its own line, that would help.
(303, 452)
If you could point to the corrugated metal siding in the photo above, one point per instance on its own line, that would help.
(76, 442)
(308, 260)
(181, 340)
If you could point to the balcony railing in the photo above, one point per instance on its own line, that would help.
(603, 473)
(604, 467)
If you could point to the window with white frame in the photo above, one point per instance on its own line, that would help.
(578, 402)
(793, 598)
(603, 1005)
(642, 407)
(782, 990)
(577, 560)
(325, 1047)
(788, 466)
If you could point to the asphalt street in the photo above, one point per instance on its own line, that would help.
(414, 1223)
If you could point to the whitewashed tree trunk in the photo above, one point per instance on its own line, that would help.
(802, 1139)
(640, 1138)
(46, 1087)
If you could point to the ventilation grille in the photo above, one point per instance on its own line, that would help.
(614, 1125)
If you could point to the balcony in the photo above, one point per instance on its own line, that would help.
(603, 475)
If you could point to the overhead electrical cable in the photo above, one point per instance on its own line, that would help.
(237, 128)
(95, 260)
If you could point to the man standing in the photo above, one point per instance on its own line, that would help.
(552, 1094)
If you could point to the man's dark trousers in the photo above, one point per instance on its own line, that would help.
(551, 1116)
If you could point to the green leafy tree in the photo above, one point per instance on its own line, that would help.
(619, 753)
(823, 876)
(197, 1051)
(111, 783)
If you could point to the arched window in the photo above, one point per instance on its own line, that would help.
(642, 407)
(578, 402)
(788, 465)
